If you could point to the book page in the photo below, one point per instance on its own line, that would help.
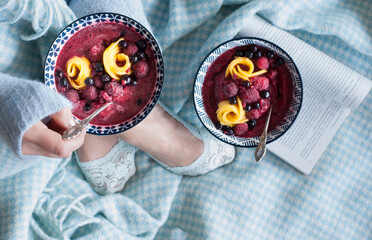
(330, 91)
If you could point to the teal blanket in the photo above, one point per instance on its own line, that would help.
(243, 200)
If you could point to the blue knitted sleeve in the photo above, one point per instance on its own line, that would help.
(22, 104)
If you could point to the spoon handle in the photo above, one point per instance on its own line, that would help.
(261, 147)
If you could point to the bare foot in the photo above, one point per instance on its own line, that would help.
(96, 147)
(164, 138)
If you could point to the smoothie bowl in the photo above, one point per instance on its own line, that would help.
(106, 57)
(236, 85)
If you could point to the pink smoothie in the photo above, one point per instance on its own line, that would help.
(134, 96)
(279, 88)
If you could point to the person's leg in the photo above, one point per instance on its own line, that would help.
(106, 162)
(176, 145)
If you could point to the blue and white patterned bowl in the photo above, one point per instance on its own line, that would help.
(63, 37)
(289, 117)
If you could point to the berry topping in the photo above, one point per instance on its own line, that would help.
(246, 83)
(239, 53)
(249, 54)
(123, 44)
(265, 94)
(229, 132)
(98, 82)
(253, 114)
(59, 73)
(141, 44)
(251, 124)
(63, 82)
(89, 81)
(125, 80)
(72, 95)
(249, 95)
(141, 55)
(87, 106)
(90, 92)
(279, 61)
(131, 49)
(230, 89)
(140, 69)
(270, 54)
(134, 59)
(98, 67)
(133, 82)
(233, 100)
(272, 74)
(264, 104)
(253, 48)
(105, 78)
(240, 129)
(113, 89)
(256, 105)
(260, 83)
(96, 52)
(258, 54)
(104, 97)
(263, 63)
(248, 107)
(123, 33)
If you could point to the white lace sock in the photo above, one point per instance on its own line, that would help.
(216, 153)
(110, 173)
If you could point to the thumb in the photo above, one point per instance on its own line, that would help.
(61, 120)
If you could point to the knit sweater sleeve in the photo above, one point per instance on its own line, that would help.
(22, 104)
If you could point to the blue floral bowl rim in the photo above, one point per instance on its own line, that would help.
(256, 139)
(156, 99)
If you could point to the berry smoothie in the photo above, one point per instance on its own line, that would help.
(240, 87)
(102, 63)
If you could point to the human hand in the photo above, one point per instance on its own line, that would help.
(47, 141)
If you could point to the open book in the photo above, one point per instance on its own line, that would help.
(330, 91)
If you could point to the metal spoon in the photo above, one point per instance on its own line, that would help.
(75, 130)
(261, 147)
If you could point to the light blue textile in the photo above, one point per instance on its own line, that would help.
(243, 200)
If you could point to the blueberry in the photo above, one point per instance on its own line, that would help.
(246, 83)
(98, 67)
(233, 100)
(134, 59)
(224, 128)
(248, 108)
(105, 78)
(63, 82)
(251, 123)
(218, 126)
(230, 132)
(239, 53)
(133, 82)
(258, 54)
(127, 79)
(249, 54)
(141, 44)
(279, 61)
(270, 54)
(265, 94)
(59, 73)
(256, 105)
(87, 106)
(123, 33)
(123, 44)
(139, 101)
(89, 81)
(141, 55)
(253, 48)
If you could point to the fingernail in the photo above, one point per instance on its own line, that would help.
(71, 122)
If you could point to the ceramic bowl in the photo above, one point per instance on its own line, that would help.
(84, 22)
(291, 114)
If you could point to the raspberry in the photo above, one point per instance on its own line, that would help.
(72, 95)
(240, 129)
(104, 97)
(90, 92)
(230, 89)
(249, 95)
(272, 74)
(260, 83)
(264, 104)
(131, 49)
(140, 69)
(125, 95)
(263, 63)
(253, 114)
(98, 82)
(95, 53)
(113, 89)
